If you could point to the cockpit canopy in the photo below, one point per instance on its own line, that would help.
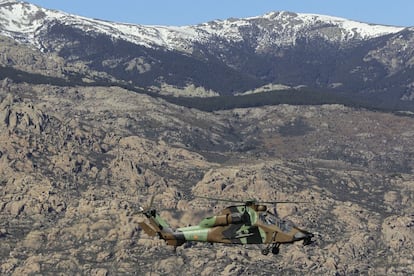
(270, 219)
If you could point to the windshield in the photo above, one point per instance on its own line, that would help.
(270, 219)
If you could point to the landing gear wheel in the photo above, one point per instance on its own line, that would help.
(265, 251)
(275, 250)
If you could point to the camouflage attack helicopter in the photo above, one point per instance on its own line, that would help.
(248, 222)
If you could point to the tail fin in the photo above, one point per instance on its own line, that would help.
(158, 226)
(157, 223)
(147, 229)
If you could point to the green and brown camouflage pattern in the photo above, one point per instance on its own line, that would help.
(250, 223)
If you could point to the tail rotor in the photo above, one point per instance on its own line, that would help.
(146, 209)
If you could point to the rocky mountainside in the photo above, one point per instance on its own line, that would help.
(77, 162)
(367, 62)
(81, 150)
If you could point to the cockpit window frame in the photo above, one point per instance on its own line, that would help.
(270, 219)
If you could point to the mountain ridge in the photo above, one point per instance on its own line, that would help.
(228, 57)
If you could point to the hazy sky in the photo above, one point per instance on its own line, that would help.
(189, 12)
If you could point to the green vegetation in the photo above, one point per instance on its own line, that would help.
(292, 97)
(22, 76)
(226, 102)
(72, 79)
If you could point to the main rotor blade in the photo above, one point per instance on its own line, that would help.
(281, 202)
(250, 200)
(221, 199)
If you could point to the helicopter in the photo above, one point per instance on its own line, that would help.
(247, 222)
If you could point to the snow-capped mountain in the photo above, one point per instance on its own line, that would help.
(228, 56)
(26, 21)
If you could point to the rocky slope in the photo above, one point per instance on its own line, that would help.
(76, 162)
(78, 159)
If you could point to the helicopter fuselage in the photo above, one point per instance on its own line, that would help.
(241, 224)
(238, 225)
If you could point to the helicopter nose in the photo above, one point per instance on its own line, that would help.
(300, 235)
(305, 236)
